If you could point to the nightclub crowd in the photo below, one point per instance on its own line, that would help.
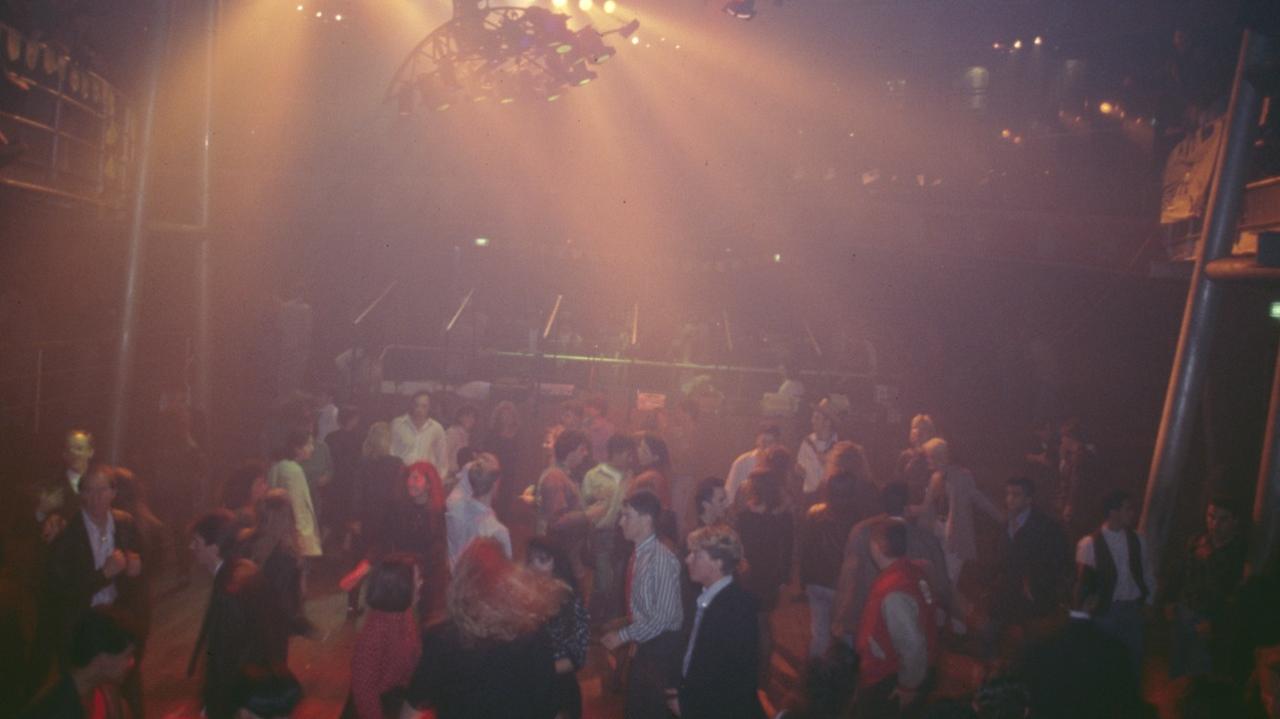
(480, 590)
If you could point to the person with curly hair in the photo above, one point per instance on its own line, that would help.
(492, 656)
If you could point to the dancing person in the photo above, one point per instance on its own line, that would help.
(811, 457)
(272, 545)
(416, 437)
(769, 436)
(654, 615)
(56, 499)
(1202, 589)
(491, 658)
(470, 517)
(379, 479)
(949, 505)
(823, 535)
(596, 424)
(242, 489)
(569, 628)
(720, 665)
(101, 653)
(913, 465)
(287, 474)
(602, 494)
(388, 645)
(458, 435)
(765, 526)
(896, 641)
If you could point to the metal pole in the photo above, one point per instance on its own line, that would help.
(204, 300)
(137, 236)
(1190, 363)
(35, 425)
(1266, 502)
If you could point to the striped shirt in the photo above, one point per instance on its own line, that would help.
(655, 592)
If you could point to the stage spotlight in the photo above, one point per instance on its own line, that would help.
(585, 5)
(635, 40)
(559, 3)
(299, 8)
(591, 42)
(610, 6)
(1106, 108)
(741, 9)
(1039, 40)
(337, 18)
(319, 13)
(482, 242)
(1017, 44)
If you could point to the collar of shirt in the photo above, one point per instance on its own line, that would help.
(822, 445)
(708, 594)
(611, 471)
(73, 477)
(97, 533)
(644, 544)
(1019, 519)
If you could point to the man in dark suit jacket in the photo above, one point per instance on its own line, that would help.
(720, 666)
(57, 499)
(1034, 563)
(239, 625)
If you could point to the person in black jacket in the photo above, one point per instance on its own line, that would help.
(239, 629)
(100, 656)
(1034, 564)
(718, 675)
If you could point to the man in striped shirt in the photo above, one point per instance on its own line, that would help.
(654, 614)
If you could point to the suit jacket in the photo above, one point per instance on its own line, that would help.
(239, 629)
(1036, 560)
(71, 578)
(722, 676)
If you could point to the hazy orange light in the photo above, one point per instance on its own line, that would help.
(299, 8)
(1106, 108)
(610, 6)
(584, 5)
(319, 14)
(559, 3)
(1017, 44)
(1005, 133)
(635, 39)
(1039, 40)
(338, 18)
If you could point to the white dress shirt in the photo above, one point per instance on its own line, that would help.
(103, 542)
(812, 460)
(1126, 588)
(467, 518)
(414, 444)
(738, 473)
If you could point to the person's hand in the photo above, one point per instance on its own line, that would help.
(673, 701)
(52, 527)
(611, 641)
(906, 697)
(133, 564)
(115, 564)
(352, 580)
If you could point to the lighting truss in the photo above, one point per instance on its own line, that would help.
(499, 54)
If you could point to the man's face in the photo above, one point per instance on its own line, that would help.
(421, 409)
(1124, 515)
(715, 510)
(78, 452)
(577, 456)
(416, 486)
(1220, 522)
(97, 493)
(635, 526)
(702, 568)
(821, 424)
(307, 450)
(206, 555)
(1015, 499)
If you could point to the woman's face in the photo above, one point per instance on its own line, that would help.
(541, 563)
(416, 485)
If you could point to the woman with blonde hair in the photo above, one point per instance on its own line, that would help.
(492, 657)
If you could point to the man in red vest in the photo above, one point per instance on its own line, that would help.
(897, 636)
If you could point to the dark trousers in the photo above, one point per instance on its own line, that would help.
(1123, 620)
(654, 669)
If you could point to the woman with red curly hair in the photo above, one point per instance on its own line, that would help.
(492, 658)
(414, 525)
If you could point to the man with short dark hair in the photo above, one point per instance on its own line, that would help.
(415, 437)
(720, 661)
(896, 641)
(101, 656)
(597, 426)
(1113, 564)
(654, 614)
(469, 516)
(239, 627)
(1203, 586)
(56, 500)
(1033, 565)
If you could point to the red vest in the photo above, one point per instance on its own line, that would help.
(901, 576)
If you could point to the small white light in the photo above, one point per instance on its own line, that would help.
(482, 242)
(1017, 44)
(338, 18)
(299, 8)
(610, 6)
(1039, 40)
(777, 257)
(319, 14)
(635, 39)
(585, 5)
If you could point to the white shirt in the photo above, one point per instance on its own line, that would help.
(742, 467)
(103, 542)
(455, 438)
(414, 444)
(73, 478)
(812, 460)
(704, 601)
(1126, 589)
(326, 421)
(467, 518)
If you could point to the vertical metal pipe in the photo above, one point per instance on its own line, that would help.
(1190, 362)
(35, 423)
(1266, 502)
(204, 300)
(137, 236)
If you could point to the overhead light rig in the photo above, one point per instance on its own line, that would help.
(499, 54)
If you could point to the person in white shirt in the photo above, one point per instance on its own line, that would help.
(1113, 564)
(768, 437)
(415, 437)
(468, 517)
(287, 474)
(814, 451)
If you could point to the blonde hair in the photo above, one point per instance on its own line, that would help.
(377, 441)
(937, 450)
(848, 457)
(491, 597)
(720, 543)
